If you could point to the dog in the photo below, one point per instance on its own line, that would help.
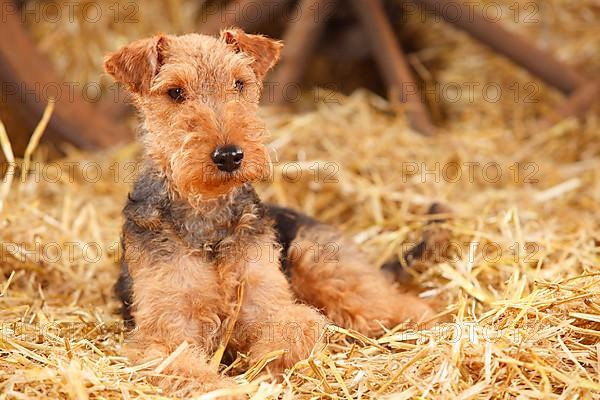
(202, 253)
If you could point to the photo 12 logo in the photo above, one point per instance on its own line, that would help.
(468, 11)
(71, 11)
(470, 172)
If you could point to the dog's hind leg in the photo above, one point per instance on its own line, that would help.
(329, 272)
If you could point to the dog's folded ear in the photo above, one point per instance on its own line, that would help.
(264, 51)
(137, 63)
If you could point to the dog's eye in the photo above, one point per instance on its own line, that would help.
(239, 85)
(176, 94)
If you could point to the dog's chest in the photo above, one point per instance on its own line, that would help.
(213, 228)
(218, 232)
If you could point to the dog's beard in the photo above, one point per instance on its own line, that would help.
(197, 178)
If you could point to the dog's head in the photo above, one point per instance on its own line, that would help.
(199, 97)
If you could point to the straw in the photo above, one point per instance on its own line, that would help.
(36, 136)
(519, 290)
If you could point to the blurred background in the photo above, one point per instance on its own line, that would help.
(487, 106)
(330, 47)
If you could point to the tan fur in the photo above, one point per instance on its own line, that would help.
(186, 300)
(270, 319)
(264, 51)
(181, 137)
(193, 233)
(334, 276)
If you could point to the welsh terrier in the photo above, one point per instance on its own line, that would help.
(195, 230)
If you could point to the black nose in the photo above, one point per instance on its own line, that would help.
(228, 158)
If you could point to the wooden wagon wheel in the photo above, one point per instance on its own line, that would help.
(303, 33)
(580, 92)
(27, 78)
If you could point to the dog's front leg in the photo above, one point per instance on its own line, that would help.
(270, 319)
(175, 307)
